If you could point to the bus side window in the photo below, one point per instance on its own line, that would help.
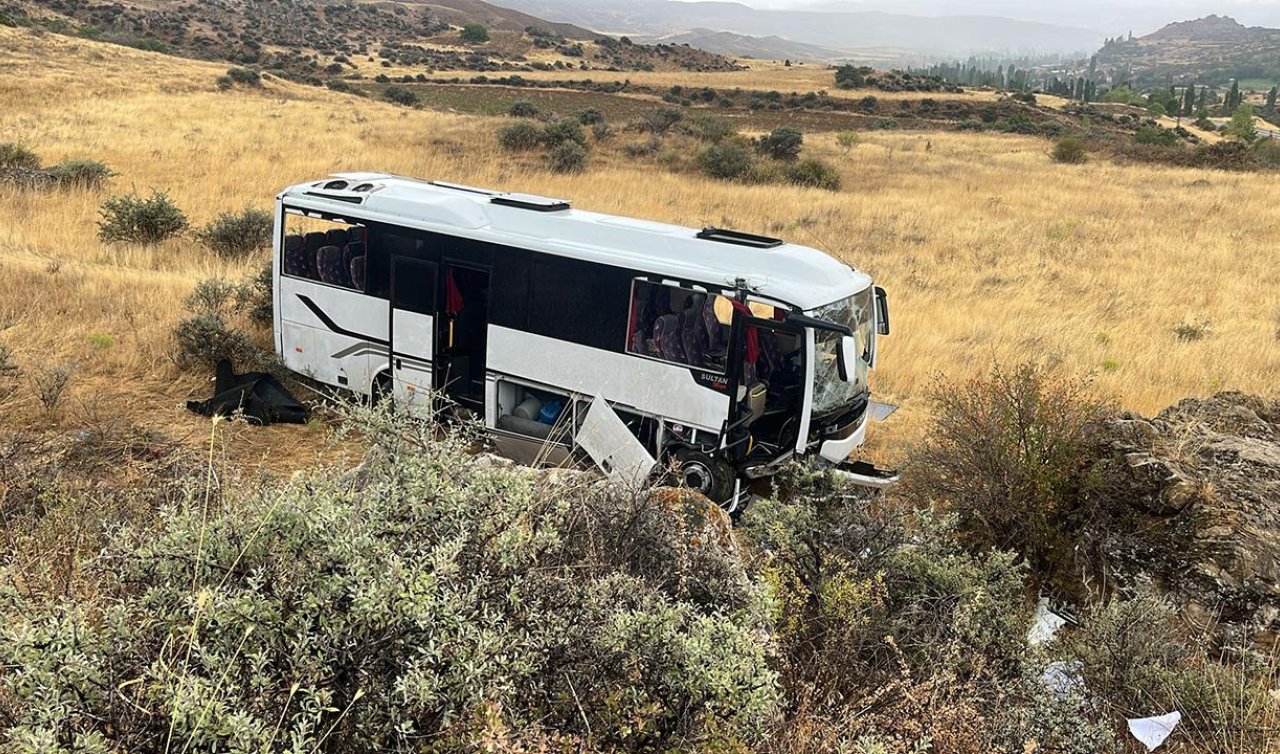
(678, 325)
(322, 250)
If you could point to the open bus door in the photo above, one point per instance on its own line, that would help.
(462, 336)
(412, 331)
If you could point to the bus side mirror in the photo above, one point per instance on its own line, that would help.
(882, 311)
(845, 357)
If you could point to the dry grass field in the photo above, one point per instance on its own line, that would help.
(991, 252)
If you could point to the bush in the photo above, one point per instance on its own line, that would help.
(709, 128)
(401, 95)
(847, 140)
(520, 137)
(133, 219)
(246, 76)
(238, 234)
(554, 134)
(81, 174)
(474, 33)
(591, 116)
(870, 605)
(726, 161)
(1069, 150)
(205, 339)
(1156, 136)
(465, 601)
(660, 120)
(567, 157)
(1009, 454)
(523, 108)
(783, 143)
(814, 173)
(17, 156)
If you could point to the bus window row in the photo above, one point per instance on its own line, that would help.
(679, 325)
(334, 257)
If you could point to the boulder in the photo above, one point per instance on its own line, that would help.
(1190, 500)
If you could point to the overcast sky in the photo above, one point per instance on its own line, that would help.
(1109, 16)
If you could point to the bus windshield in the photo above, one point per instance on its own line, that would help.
(830, 393)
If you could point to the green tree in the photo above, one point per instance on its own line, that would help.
(1269, 109)
(1233, 97)
(1189, 101)
(475, 34)
(1241, 126)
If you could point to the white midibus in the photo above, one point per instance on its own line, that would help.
(725, 354)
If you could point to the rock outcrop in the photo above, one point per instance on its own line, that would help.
(1191, 501)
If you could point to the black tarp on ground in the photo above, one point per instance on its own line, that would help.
(260, 396)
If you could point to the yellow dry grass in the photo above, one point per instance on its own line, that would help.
(991, 252)
(760, 75)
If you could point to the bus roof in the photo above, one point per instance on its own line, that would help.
(789, 273)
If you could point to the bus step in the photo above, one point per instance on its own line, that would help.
(865, 474)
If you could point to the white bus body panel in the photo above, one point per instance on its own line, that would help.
(309, 346)
(651, 387)
(412, 335)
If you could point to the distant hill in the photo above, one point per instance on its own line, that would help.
(846, 31)
(741, 45)
(1209, 50)
(321, 37)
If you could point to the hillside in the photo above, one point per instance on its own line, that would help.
(762, 48)
(313, 38)
(920, 37)
(1210, 50)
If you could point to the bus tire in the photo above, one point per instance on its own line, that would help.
(702, 473)
(382, 388)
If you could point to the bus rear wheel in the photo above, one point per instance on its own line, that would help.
(702, 473)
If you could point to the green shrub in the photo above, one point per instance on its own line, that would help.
(465, 602)
(134, 219)
(708, 128)
(520, 137)
(81, 174)
(591, 116)
(474, 33)
(1267, 152)
(245, 76)
(660, 120)
(602, 131)
(1157, 136)
(726, 161)
(783, 143)
(847, 140)
(814, 173)
(17, 156)
(401, 95)
(554, 134)
(567, 157)
(861, 593)
(523, 108)
(1009, 454)
(205, 339)
(238, 234)
(1069, 150)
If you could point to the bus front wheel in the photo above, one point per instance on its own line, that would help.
(702, 473)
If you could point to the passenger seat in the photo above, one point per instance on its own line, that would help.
(329, 264)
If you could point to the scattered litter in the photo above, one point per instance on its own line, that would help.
(1044, 624)
(1152, 731)
(1063, 678)
(257, 395)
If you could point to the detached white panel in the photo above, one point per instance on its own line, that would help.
(612, 446)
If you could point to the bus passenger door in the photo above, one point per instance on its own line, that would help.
(412, 331)
(463, 335)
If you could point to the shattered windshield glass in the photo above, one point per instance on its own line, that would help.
(831, 393)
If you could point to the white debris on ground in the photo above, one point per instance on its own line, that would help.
(1152, 731)
(1044, 624)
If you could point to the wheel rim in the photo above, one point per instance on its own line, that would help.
(697, 477)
